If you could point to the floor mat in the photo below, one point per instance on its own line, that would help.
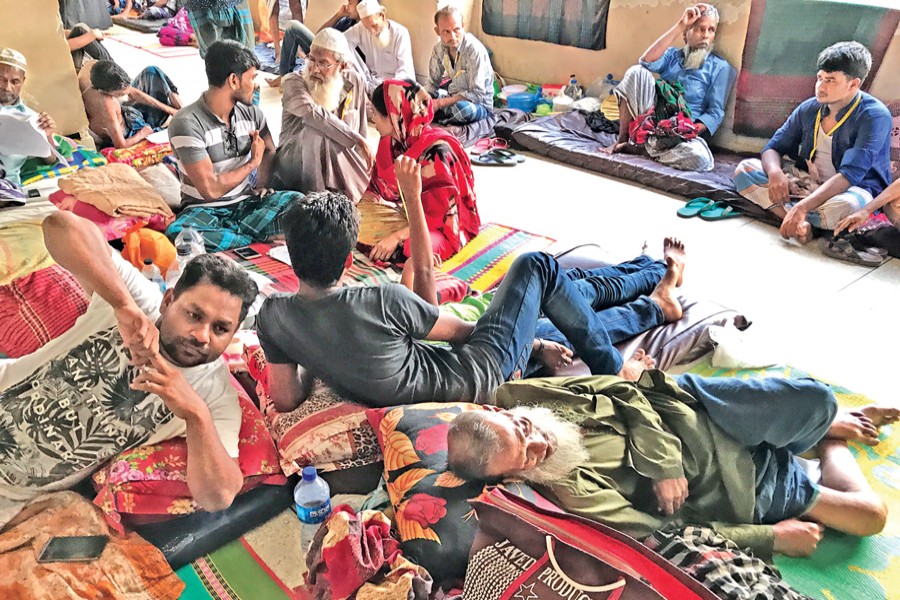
(233, 572)
(267, 62)
(150, 43)
(484, 261)
(142, 25)
(845, 566)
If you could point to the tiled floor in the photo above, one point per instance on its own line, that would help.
(830, 318)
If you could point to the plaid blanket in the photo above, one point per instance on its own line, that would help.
(579, 23)
(78, 157)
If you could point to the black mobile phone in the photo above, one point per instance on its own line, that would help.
(246, 252)
(74, 548)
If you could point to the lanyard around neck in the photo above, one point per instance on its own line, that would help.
(846, 116)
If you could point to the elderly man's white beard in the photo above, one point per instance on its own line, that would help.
(695, 57)
(326, 94)
(383, 38)
(569, 453)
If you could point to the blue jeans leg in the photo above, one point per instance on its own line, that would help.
(296, 36)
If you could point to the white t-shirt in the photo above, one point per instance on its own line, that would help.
(822, 159)
(68, 407)
(387, 59)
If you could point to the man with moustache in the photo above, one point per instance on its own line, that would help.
(323, 144)
(712, 451)
(706, 78)
(839, 148)
(219, 142)
(383, 48)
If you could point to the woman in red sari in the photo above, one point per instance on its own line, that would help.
(403, 115)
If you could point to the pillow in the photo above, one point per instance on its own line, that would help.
(432, 513)
(325, 431)
(149, 483)
(142, 154)
(37, 308)
(112, 228)
(163, 178)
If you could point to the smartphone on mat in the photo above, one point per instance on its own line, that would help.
(246, 252)
(75, 548)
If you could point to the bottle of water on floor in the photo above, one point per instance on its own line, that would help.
(312, 499)
(188, 244)
(193, 238)
(152, 272)
(573, 90)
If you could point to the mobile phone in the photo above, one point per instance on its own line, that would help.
(75, 548)
(246, 252)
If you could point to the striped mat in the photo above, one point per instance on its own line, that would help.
(845, 567)
(483, 262)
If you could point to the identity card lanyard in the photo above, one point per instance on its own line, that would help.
(835, 128)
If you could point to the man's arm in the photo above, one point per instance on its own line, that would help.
(140, 97)
(790, 225)
(297, 12)
(267, 164)
(108, 122)
(212, 185)
(79, 42)
(435, 72)
(289, 386)
(673, 35)
(405, 67)
(409, 180)
(343, 11)
(859, 218)
(716, 97)
(274, 30)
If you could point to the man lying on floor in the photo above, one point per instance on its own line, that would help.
(839, 146)
(81, 399)
(121, 112)
(714, 451)
(370, 343)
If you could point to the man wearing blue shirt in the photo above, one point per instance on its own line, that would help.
(838, 143)
(706, 78)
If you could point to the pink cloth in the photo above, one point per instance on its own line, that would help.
(113, 228)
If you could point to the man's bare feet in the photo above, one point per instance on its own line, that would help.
(673, 248)
(862, 425)
(274, 82)
(639, 362)
(664, 292)
(806, 233)
(550, 354)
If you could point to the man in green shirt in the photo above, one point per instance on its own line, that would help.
(716, 451)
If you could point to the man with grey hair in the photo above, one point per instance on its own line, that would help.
(382, 47)
(323, 142)
(714, 451)
(706, 78)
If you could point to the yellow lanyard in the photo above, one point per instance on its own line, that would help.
(448, 68)
(846, 116)
(347, 102)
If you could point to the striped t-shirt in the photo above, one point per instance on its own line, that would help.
(197, 133)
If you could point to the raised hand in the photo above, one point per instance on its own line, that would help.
(257, 148)
(138, 332)
(160, 377)
(409, 178)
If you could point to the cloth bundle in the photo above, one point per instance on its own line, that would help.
(116, 190)
(178, 31)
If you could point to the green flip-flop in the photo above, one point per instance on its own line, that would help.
(508, 155)
(695, 207)
(720, 211)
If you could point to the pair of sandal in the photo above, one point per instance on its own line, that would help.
(842, 249)
(708, 210)
(494, 152)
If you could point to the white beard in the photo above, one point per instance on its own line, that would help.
(382, 39)
(695, 57)
(570, 451)
(326, 94)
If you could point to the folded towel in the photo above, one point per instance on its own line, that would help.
(117, 190)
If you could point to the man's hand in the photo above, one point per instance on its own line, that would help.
(257, 148)
(367, 154)
(670, 494)
(138, 332)
(385, 248)
(691, 15)
(853, 222)
(797, 538)
(46, 123)
(263, 191)
(343, 11)
(160, 377)
(778, 188)
(791, 225)
(409, 178)
(98, 35)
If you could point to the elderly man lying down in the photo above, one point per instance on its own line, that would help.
(714, 451)
(81, 399)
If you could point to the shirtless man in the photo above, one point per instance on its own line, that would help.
(122, 113)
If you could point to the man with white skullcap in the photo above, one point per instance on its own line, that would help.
(383, 48)
(323, 125)
(12, 78)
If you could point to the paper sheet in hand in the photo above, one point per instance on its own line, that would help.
(159, 137)
(20, 135)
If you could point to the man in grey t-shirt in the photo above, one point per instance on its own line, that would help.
(370, 343)
(219, 141)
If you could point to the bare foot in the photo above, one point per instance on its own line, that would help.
(881, 415)
(274, 82)
(614, 149)
(673, 248)
(639, 362)
(550, 354)
(664, 292)
(806, 233)
(862, 425)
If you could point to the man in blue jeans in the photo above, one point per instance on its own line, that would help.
(371, 344)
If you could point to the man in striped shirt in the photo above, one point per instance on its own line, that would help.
(220, 142)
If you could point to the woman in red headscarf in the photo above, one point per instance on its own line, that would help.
(403, 114)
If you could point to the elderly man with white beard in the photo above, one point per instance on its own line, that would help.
(711, 451)
(323, 143)
(707, 80)
(383, 48)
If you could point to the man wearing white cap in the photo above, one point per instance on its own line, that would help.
(383, 48)
(12, 78)
(323, 126)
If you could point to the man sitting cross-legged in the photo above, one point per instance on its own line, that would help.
(323, 126)
(714, 451)
(219, 141)
(81, 399)
(369, 343)
(705, 77)
(839, 142)
(382, 48)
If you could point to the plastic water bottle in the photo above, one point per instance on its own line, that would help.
(152, 272)
(573, 90)
(183, 257)
(190, 236)
(312, 499)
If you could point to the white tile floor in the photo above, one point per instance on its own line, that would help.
(827, 317)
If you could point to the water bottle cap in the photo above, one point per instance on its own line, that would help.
(309, 474)
(148, 261)
(184, 250)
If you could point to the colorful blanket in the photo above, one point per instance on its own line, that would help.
(484, 261)
(35, 169)
(845, 566)
(581, 24)
(769, 87)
